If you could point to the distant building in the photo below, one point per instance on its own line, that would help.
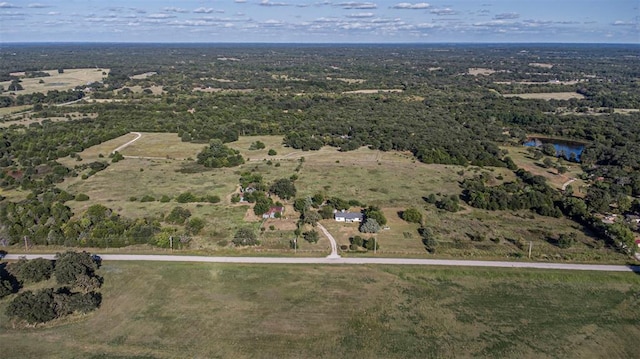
(348, 217)
(273, 212)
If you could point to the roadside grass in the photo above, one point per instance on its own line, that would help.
(523, 159)
(168, 310)
(61, 82)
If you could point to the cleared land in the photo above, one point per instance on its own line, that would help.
(61, 82)
(172, 310)
(547, 95)
(392, 180)
(371, 91)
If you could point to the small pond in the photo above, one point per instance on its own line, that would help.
(566, 149)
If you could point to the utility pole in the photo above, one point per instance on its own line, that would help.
(26, 243)
(530, 245)
(295, 245)
(171, 242)
(375, 245)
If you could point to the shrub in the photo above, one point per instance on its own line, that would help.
(186, 197)
(165, 198)
(147, 198)
(412, 215)
(178, 215)
(194, 226)
(213, 199)
(81, 197)
(272, 152)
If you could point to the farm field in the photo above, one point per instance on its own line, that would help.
(168, 310)
(61, 82)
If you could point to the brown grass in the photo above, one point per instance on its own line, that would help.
(61, 82)
(547, 96)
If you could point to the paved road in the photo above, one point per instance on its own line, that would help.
(334, 245)
(340, 260)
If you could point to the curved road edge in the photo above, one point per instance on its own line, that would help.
(350, 261)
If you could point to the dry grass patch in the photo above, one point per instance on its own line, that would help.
(373, 91)
(143, 76)
(547, 95)
(475, 71)
(61, 82)
(14, 109)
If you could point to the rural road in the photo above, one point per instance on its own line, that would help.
(570, 181)
(334, 245)
(348, 261)
(138, 135)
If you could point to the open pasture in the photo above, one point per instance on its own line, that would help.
(197, 310)
(546, 95)
(61, 82)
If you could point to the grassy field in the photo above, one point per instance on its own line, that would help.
(524, 160)
(169, 310)
(547, 95)
(391, 180)
(61, 82)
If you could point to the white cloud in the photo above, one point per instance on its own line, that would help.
(360, 15)
(174, 9)
(623, 23)
(6, 5)
(269, 3)
(506, 16)
(160, 16)
(410, 6)
(203, 10)
(240, 1)
(443, 12)
(357, 5)
(37, 6)
(53, 13)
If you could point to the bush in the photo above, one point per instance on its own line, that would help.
(186, 197)
(147, 198)
(412, 215)
(213, 199)
(178, 215)
(81, 197)
(72, 266)
(165, 198)
(272, 152)
(194, 226)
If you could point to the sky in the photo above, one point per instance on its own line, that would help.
(320, 21)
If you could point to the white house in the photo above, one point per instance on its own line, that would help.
(348, 217)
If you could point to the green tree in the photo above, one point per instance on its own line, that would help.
(272, 152)
(326, 212)
(70, 266)
(283, 188)
(311, 217)
(33, 307)
(35, 270)
(370, 225)
(374, 212)
(311, 236)
(245, 236)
